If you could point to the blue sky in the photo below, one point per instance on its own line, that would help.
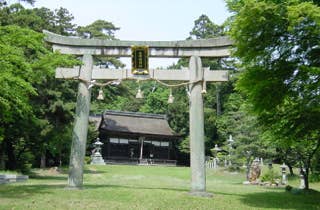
(144, 19)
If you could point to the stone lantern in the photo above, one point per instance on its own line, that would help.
(216, 149)
(96, 157)
(284, 179)
(230, 141)
(302, 182)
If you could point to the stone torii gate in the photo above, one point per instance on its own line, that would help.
(196, 75)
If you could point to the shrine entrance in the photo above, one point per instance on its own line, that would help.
(196, 77)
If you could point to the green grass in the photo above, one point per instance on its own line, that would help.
(141, 187)
(9, 172)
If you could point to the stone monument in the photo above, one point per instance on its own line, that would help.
(255, 171)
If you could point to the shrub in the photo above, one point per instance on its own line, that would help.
(315, 177)
(24, 162)
(87, 159)
(288, 188)
(270, 176)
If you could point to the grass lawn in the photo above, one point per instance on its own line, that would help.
(143, 187)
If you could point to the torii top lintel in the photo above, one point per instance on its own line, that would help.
(214, 47)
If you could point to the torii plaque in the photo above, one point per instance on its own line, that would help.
(196, 75)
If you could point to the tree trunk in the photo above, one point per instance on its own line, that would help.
(60, 159)
(248, 170)
(306, 179)
(290, 169)
(11, 163)
(43, 160)
(2, 160)
(218, 101)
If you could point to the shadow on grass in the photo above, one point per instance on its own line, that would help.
(89, 186)
(59, 178)
(281, 200)
(89, 171)
(278, 199)
(22, 191)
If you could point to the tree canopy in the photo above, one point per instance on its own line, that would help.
(277, 43)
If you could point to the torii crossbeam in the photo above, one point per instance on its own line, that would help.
(196, 74)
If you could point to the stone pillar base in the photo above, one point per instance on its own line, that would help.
(73, 188)
(201, 194)
(97, 159)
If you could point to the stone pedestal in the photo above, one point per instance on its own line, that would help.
(284, 179)
(302, 183)
(97, 159)
(10, 178)
(215, 164)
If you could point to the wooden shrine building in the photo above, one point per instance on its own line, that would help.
(142, 138)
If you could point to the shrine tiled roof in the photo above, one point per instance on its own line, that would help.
(136, 123)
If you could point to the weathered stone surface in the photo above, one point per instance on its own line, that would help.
(97, 159)
(8, 178)
(215, 47)
(22, 178)
(246, 182)
(76, 41)
(125, 74)
(255, 171)
(197, 156)
(80, 130)
(201, 194)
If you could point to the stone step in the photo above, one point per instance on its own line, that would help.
(8, 178)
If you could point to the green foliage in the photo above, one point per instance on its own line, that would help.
(315, 177)
(101, 29)
(277, 43)
(57, 21)
(16, 72)
(87, 159)
(27, 70)
(3, 2)
(178, 112)
(156, 102)
(63, 23)
(52, 101)
(288, 188)
(270, 176)
(216, 95)
(205, 28)
(98, 29)
(239, 122)
(280, 68)
(184, 146)
(120, 97)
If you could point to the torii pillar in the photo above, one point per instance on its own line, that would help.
(80, 129)
(196, 116)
